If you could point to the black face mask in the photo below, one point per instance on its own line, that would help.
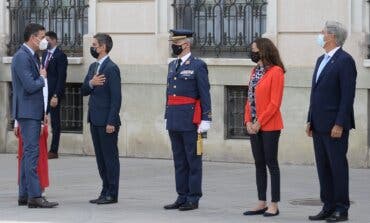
(176, 49)
(255, 56)
(93, 52)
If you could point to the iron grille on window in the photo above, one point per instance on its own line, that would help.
(236, 97)
(222, 28)
(68, 18)
(71, 109)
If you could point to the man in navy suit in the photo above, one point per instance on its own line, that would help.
(28, 79)
(188, 113)
(330, 118)
(55, 62)
(103, 84)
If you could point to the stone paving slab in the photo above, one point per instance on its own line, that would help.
(148, 184)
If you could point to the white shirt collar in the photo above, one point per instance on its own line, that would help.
(29, 48)
(102, 60)
(185, 58)
(332, 52)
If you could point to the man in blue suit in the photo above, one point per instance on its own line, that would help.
(188, 113)
(55, 62)
(28, 79)
(103, 84)
(330, 118)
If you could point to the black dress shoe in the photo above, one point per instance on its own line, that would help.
(337, 217)
(258, 212)
(188, 206)
(22, 201)
(320, 216)
(107, 200)
(41, 202)
(94, 201)
(175, 205)
(268, 214)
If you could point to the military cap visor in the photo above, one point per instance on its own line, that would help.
(177, 34)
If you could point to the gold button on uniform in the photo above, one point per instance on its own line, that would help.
(174, 86)
(174, 95)
(186, 78)
(175, 78)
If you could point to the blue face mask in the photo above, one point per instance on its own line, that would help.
(320, 40)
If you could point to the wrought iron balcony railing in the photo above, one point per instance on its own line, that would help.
(223, 28)
(68, 18)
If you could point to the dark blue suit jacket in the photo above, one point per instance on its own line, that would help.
(28, 101)
(190, 80)
(57, 72)
(332, 96)
(104, 101)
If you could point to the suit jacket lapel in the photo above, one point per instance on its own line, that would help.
(328, 65)
(263, 77)
(316, 69)
(103, 65)
(36, 62)
(44, 57)
(52, 56)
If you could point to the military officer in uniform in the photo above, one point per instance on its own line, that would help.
(188, 113)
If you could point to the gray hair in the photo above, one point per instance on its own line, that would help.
(338, 30)
(190, 40)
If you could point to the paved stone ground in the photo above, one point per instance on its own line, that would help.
(148, 184)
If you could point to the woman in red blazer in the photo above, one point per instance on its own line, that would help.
(264, 122)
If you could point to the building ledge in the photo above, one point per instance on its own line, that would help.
(224, 62)
(366, 63)
(71, 60)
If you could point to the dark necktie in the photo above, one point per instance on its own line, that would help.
(37, 60)
(47, 59)
(178, 64)
(96, 69)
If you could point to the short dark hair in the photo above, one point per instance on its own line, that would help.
(32, 29)
(52, 35)
(104, 38)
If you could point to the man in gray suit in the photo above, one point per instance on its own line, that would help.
(28, 79)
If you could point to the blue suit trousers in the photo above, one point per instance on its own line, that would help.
(29, 183)
(188, 165)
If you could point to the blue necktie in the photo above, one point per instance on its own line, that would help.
(322, 65)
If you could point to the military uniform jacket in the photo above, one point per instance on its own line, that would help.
(190, 80)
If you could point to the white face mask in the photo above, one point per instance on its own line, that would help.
(320, 40)
(43, 44)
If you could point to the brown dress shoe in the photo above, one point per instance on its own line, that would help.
(52, 155)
